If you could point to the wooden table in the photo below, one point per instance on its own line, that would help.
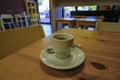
(63, 21)
(102, 50)
(85, 22)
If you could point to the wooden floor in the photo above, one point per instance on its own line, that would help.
(47, 29)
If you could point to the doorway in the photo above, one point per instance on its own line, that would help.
(44, 11)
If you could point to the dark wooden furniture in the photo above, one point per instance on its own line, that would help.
(109, 15)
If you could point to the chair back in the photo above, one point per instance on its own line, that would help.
(108, 26)
(9, 21)
(6, 16)
(0, 24)
(14, 39)
(18, 20)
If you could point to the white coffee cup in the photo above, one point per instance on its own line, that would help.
(62, 44)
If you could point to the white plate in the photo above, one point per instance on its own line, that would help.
(75, 59)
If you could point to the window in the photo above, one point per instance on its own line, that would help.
(44, 11)
(87, 8)
(67, 11)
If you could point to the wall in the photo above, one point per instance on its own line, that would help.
(55, 12)
(86, 2)
(105, 7)
(11, 6)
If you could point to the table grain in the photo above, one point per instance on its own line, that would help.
(102, 62)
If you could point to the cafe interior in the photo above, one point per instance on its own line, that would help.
(27, 50)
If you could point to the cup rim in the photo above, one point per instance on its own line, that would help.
(62, 34)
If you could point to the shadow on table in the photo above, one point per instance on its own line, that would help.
(61, 73)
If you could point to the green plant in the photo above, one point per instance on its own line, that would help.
(40, 1)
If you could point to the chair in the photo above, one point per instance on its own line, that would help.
(18, 20)
(7, 19)
(0, 25)
(14, 39)
(34, 19)
(108, 26)
(26, 19)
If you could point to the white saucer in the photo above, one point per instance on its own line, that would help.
(75, 59)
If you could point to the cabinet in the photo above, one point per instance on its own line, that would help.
(30, 7)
